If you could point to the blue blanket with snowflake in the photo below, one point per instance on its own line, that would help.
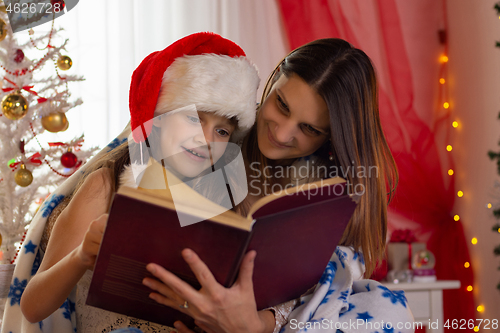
(29, 258)
(343, 302)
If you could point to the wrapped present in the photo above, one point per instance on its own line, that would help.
(6, 271)
(400, 249)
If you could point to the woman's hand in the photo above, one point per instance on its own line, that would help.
(87, 251)
(214, 307)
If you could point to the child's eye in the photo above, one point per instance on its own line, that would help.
(222, 132)
(308, 129)
(193, 119)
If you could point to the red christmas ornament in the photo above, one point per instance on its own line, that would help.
(19, 57)
(60, 2)
(68, 159)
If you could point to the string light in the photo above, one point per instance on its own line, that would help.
(488, 205)
(446, 105)
(476, 329)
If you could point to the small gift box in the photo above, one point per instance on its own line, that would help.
(6, 272)
(400, 249)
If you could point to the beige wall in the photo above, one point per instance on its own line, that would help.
(474, 82)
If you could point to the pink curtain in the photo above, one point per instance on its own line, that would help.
(401, 37)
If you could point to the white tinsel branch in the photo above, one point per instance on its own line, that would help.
(42, 39)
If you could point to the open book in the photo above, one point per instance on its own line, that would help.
(294, 232)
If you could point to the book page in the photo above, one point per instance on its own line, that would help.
(161, 187)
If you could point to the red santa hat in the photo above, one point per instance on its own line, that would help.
(204, 69)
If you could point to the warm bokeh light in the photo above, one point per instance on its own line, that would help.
(455, 124)
(480, 308)
(446, 105)
(450, 172)
(474, 241)
(449, 147)
(476, 329)
(488, 205)
(444, 58)
(456, 217)
(498, 230)
(469, 288)
(467, 264)
(442, 80)
(460, 194)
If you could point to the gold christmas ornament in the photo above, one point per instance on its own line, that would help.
(23, 176)
(55, 122)
(14, 106)
(65, 127)
(64, 63)
(3, 30)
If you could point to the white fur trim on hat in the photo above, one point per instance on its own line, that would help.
(214, 83)
(129, 175)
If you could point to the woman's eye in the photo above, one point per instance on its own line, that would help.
(308, 129)
(223, 132)
(282, 104)
(193, 119)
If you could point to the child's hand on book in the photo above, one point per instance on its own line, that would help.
(87, 251)
(214, 307)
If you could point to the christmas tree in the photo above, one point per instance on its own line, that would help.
(496, 156)
(496, 211)
(32, 103)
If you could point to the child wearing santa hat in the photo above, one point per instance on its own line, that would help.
(204, 70)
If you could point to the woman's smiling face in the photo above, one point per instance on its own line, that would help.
(193, 141)
(293, 120)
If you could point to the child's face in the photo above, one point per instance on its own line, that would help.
(193, 141)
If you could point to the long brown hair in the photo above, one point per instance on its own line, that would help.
(345, 77)
(115, 159)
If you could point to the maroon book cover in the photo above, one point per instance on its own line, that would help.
(294, 236)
